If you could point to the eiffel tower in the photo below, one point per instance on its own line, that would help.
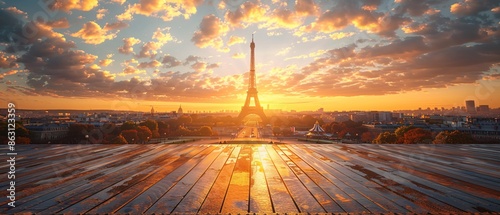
(247, 109)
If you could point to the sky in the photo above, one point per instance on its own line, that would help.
(332, 54)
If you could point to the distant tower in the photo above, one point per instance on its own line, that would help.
(252, 91)
(470, 106)
(179, 111)
(152, 111)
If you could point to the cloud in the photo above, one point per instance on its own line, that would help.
(105, 62)
(14, 10)
(238, 55)
(210, 31)
(59, 23)
(151, 64)
(115, 26)
(192, 59)
(150, 49)
(130, 70)
(162, 37)
(284, 51)
(128, 44)
(248, 13)
(8, 61)
(170, 61)
(346, 13)
(119, 1)
(164, 9)
(306, 7)
(235, 40)
(473, 7)
(9, 72)
(101, 13)
(340, 35)
(68, 5)
(92, 33)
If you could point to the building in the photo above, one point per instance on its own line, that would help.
(47, 132)
(483, 108)
(470, 106)
(180, 111)
(316, 131)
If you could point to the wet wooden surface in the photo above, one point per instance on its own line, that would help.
(296, 177)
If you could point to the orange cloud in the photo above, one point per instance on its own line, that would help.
(7, 61)
(209, 34)
(92, 33)
(59, 23)
(14, 10)
(101, 13)
(165, 9)
(248, 13)
(128, 44)
(150, 49)
(340, 35)
(105, 62)
(471, 7)
(68, 5)
(10, 72)
(115, 26)
(238, 55)
(130, 70)
(235, 40)
(306, 7)
(119, 1)
(163, 37)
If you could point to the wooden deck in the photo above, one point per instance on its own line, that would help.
(201, 177)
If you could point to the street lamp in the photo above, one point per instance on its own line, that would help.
(87, 138)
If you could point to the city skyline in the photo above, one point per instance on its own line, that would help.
(337, 55)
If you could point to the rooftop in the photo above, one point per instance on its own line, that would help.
(201, 177)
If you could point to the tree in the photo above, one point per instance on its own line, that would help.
(276, 130)
(417, 136)
(151, 124)
(400, 132)
(453, 137)
(184, 119)
(130, 135)
(386, 137)
(205, 131)
(118, 140)
(128, 125)
(77, 131)
(144, 134)
(367, 137)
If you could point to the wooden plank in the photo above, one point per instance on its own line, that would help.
(345, 202)
(238, 192)
(327, 203)
(174, 159)
(170, 155)
(146, 199)
(215, 198)
(104, 180)
(302, 197)
(280, 196)
(174, 195)
(260, 199)
(192, 201)
(328, 169)
(64, 185)
(443, 193)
